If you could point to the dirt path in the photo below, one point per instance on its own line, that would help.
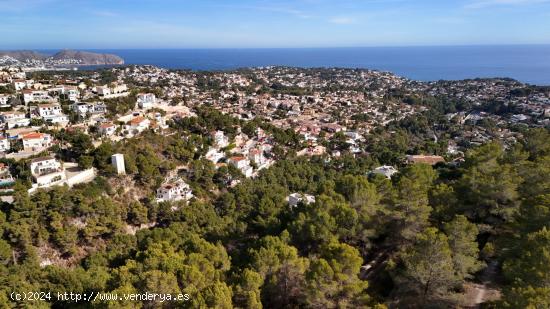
(375, 266)
(483, 292)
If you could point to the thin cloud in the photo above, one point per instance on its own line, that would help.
(480, 4)
(342, 20)
(273, 9)
(105, 13)
(292, 12)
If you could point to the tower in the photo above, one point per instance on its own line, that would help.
(117, 160)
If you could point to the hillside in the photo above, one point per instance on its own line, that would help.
(23, 55)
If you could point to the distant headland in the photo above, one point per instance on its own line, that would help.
(61, 58)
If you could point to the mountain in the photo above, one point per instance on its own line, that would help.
(64, 56)
(23, 55)
(88, 58)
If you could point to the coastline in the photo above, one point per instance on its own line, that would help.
(526, 63)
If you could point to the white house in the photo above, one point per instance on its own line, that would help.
(161, 121)
(146, 100)
(97, 108)
(4, 144)
(14, 119)
(4, 100)
(107, 129)
(72, 93)
(45, 110)
(257, 156)
(36, 141)
(137, 125)
(19, 84)
(296, 198)
(52, 113)
(103, 91)
(117, 90)
(214, 155)
(243, 164)
(353, 135)
(83, 109)
(387, 171)
(47, 171)
(80, 108)
(220, 140)
(35, 96)
(239, 162)
(177, 190)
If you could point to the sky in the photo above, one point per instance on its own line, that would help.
(102, 24)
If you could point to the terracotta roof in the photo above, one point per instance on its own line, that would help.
(12, 113)
(107, 125)
(431, 160)
(237, 158)
(137, 120)
(33, 135)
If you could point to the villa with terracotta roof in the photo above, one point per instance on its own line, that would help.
(36, 141)
(243, 164)
(137, 125)
(107, 129)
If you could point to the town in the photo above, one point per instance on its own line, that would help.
(317, 104)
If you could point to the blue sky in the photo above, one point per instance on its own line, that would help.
(44, 24)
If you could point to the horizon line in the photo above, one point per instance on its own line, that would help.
(259, 48)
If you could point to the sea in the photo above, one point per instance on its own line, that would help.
(526, 63)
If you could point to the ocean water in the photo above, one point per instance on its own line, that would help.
(526, 63)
